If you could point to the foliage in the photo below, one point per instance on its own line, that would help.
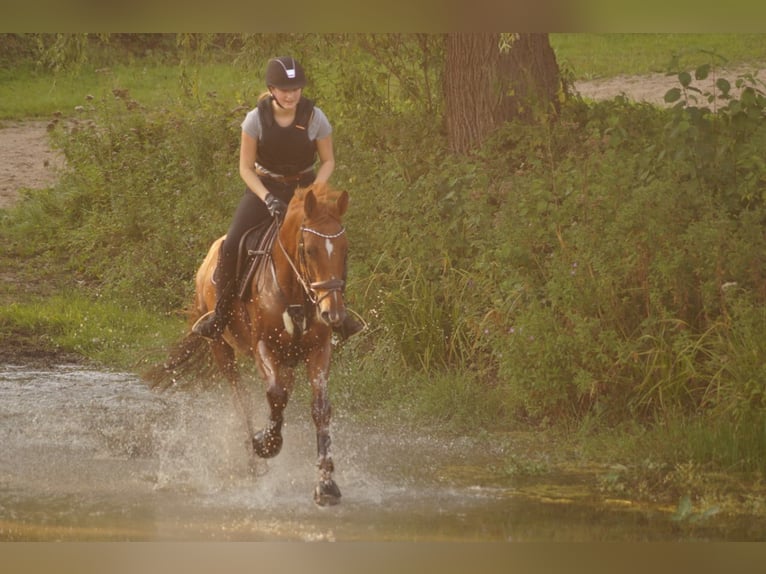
(719, 134)
(607, 266)
(598, 267)
(145, 190)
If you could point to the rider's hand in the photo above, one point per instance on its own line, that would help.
(276, 206)
(319, 187)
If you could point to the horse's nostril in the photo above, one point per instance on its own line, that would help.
(331, 317)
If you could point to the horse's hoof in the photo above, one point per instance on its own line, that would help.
(267, 444)
(327, 493)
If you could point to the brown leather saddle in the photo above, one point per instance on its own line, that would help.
(253, 255)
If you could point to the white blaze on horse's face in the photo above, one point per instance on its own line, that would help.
(325, 248)
(325, 261)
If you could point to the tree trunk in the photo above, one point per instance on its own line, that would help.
(533, 75)
(485, 87)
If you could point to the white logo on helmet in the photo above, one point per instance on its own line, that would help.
(289, 71)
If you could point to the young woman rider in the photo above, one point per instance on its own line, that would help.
(281, 139)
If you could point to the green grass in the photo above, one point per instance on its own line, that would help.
(26, 92)
(103, 331)
(591, 56)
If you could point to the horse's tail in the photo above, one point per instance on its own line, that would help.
(188, 360)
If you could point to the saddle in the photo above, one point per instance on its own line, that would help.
(253, 260)
(253, 255)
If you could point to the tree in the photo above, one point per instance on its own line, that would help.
(486, 84)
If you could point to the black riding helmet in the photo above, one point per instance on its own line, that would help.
(285, 73)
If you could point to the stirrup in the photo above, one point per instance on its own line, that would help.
(207, 326)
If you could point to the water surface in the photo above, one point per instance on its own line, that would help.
(95, 455)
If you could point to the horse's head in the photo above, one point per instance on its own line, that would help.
(322, 249)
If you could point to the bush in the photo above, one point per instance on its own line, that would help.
(145, 193)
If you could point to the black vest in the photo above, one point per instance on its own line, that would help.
(286, 151)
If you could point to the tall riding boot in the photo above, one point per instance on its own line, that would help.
(351, 326)
(212, 324)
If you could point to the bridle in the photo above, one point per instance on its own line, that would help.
(311, 288)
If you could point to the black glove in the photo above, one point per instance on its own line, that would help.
(276, 206)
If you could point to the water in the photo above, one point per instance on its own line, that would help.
(94, 455)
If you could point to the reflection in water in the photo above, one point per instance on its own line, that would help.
(92, 455)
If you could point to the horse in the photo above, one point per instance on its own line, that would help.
(287, 317)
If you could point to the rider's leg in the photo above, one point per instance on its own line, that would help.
(250, 211)
(212, 324)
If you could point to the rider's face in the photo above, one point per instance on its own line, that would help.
(288, 99)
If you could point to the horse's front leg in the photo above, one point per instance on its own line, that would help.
(268, 442)
(326, 492)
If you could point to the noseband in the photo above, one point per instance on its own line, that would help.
(312, 288)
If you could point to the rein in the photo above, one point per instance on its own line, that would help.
(311, 288)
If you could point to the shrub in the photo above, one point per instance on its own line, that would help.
(145, 193)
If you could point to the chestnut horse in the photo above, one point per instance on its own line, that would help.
(287, 318)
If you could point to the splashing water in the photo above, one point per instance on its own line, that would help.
(94, 455)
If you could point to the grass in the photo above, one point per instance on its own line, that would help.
(103, 331)
(591, 56)
(27, 92)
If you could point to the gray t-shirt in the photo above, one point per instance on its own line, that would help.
(319, 125)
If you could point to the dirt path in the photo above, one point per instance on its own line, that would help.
(652, 88)
(26, 159)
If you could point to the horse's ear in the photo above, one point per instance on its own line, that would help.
(309, 203)
(342, 203)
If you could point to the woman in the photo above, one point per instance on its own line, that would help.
(281, 139)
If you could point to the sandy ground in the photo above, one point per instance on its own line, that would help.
(27, 160)
(652, 88)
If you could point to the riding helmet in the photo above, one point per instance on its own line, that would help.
(285, 73)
